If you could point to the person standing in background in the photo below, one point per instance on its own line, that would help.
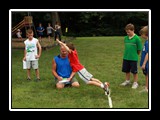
(57, 28)
(19, 34)
(40, 31)
(49, 31)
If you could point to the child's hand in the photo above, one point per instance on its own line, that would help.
(37, 56)
(24, 58)
(143, 67)
(69, 79)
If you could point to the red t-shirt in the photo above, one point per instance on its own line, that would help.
(74, 61)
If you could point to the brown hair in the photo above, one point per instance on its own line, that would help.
(144, 30)
(129, 27)
(29, 31)
(71, 46)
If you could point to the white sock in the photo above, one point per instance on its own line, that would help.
(102, 86)
(128, 80)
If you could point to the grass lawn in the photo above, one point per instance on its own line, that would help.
(101, 56)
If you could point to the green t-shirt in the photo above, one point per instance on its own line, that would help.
(132, 46)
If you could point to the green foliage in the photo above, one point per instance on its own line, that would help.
(101, 56)
(80, 24)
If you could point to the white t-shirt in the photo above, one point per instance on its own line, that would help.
(49, 30)
(57, 27)
(31, 49)
(18, 34)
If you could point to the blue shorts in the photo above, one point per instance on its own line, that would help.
(40, 34)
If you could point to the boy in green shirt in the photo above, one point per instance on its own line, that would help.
(133, 47)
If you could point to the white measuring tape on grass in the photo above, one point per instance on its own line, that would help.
(109, 99)
(64, 80)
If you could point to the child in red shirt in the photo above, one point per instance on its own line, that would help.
(80, 69)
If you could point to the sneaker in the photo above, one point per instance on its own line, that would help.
(135, 85)
(38, 79)
(28, 79)
(106, 88)
(144, 90)
(108, 92)
(127, 82)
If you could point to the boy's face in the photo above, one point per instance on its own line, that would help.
(30, 36)
(130, 32)
(144, 36)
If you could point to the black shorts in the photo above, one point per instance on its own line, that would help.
(130, 66)
(50, 34)
(40, 35)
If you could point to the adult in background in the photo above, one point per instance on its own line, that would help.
(49, 31)
(57, 28)
(40, 30)
(19, 34)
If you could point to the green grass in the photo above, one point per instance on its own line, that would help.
(101, 56)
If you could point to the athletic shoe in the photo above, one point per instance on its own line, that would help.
(37, 79)
(106, 88)
(28, 79)
(144, 90)
(135, 85)
(108, 92)
(127, 82)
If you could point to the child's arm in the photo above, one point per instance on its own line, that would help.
(145, 61)
(24, 58)
(53, 29)
(40, 50)
(63, 44)
(72, 75)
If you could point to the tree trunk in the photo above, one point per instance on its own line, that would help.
(55, 17)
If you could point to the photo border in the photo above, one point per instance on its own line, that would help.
(78, 10)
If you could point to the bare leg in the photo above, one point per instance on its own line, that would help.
(75, 84)
(147, 81)
(59, 85)
(39, 39)
(135, 77)
(94, 83)
(28, 73)
(96, 80)
(98, 83)
(37, 73)
(128, 76)
(49, 38)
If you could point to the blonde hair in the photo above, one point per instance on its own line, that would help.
(144, 31)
